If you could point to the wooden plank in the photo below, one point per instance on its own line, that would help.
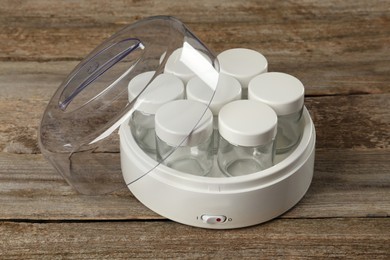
(32, 80)
(332, 51)
(31, 189)
(320, 76)
(335, 48)
(353, 183)
(356, 122)
(85, 13)
(346, 183)
(316, 238)
(338, 63)
(279, 40)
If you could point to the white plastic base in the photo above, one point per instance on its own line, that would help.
(225, 202)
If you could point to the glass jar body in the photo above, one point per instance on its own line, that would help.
(196, 160)
(289, 131)
(235, 160)
(143, 131)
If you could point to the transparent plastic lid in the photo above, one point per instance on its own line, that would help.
(79, 129)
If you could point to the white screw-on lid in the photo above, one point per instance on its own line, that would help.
(243, 64)
(228, 89)
(177, 120)
(247, 123)
(176, 67)
(283, 92)
(164, 88)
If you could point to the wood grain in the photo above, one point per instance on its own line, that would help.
(340, 51)
(39, 80)
(297, 239)
(346, 183)
(333, 50)
(356, 122)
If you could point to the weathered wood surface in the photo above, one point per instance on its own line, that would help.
(339, 46)
(311, 238)
(340, 50)
(346, 184)
(352, 121)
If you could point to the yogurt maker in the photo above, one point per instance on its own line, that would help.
(86, 135)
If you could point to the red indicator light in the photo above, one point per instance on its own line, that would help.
(218, 220)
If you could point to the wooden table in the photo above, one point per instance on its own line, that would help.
(339, 49)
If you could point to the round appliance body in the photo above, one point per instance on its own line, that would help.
(220, 202)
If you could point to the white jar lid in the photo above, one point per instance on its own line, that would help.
(177, 120)
(164, 88)
(243, 64)
(176, 67)
(283, 92)
(247, 123)
(228, 89)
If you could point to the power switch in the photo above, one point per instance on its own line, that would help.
(213, 219)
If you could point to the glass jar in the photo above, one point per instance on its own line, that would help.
(285, 94)
(180, 145)
(228, 90)
(162, 89)
(247, 130)
(243, 64)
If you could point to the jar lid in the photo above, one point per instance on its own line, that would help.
(164, 88)
(78, 130)
(177, 68)
(247, 123)
(243, 64)
(281, 91)
(228, 89)
(181, 131)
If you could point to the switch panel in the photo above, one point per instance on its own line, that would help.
(213, 219)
